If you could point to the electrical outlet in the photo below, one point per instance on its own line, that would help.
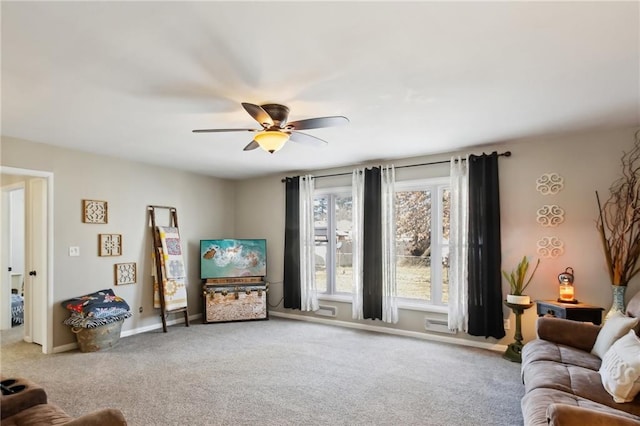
(507, 324)
(140, 310)
(74, 251)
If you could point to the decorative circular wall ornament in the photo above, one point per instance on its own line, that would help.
(550, 215)
(550, 247)
(549, 183)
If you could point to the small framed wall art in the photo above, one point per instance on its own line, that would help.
(94, 211)
(125, 273)
(109, 244)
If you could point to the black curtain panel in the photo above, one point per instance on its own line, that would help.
(485, 288)
(291, 282)
(372, 242)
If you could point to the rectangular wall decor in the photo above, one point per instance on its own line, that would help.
(109, 245)
(125, 273)
(94, 211)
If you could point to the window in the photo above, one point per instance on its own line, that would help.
(422, 240)
(333, 223)
(422, 234)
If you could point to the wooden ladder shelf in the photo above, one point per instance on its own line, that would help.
(159, 270)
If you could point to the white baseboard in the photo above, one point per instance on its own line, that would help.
(178, 320)
(395, 331)
(72, 346)
(65, 348)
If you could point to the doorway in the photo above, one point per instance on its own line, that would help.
(13, 234)
(38, 252)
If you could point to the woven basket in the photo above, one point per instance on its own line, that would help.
(98, 338)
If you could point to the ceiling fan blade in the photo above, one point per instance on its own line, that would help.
(259, 114)
(306, 139)
(252, 145)
(314, 123)
(223, 130)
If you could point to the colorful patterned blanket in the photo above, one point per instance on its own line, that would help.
(17, 309)
(173, 271)
(96, 309)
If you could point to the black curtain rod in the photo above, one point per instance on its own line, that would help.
(503, 154)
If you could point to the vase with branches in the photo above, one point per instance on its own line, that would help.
(618, 224)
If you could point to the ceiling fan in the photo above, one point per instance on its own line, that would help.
(276, 131)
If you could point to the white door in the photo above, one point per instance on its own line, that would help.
(36, 262)
(5, 282)
(12, 248)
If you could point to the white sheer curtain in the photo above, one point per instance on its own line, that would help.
(458, 245)
(357, 221)
(389, 285)
(308, 291)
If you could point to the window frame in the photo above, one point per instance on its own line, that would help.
(437, 187)
(330, 261)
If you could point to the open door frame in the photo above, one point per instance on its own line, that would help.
(47, 338)
(7, 234)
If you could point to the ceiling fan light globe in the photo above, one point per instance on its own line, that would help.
(271, 141)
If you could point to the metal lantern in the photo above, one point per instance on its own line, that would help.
(567, 291)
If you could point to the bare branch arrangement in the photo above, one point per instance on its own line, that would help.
(619, 221)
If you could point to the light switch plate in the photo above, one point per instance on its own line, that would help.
(74, 251)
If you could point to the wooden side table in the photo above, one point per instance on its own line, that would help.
(570, 311)
(514, 350)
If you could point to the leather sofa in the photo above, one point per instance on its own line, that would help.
(24, 403)
(562, 377)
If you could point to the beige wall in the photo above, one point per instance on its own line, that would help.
(587, 162)
(204, 205)
(254, 208)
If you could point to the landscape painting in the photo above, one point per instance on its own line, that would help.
(232, 258)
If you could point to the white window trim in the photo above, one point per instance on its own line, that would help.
(436, 185)
(408, 185)
(335, 190)
(331, 244)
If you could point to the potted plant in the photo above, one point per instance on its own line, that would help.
(619, 227)
(516, 280)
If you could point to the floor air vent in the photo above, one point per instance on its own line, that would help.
(438, 325)
(327, 311)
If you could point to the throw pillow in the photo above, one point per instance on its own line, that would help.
(620, 369)
(614, 328)
(633, 309)
(633, 306)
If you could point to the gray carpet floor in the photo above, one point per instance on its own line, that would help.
(276, 372)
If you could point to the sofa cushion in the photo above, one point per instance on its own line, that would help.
(569, 415)
(23, 394)
(633, 306)
(633, 310)
(38, 415)
(543, 350)
(620, 370)
(581, 335)
(614, 328)
(578, 381)
(536, 403)
(25, 404)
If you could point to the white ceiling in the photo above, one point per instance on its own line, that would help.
(132, 79)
